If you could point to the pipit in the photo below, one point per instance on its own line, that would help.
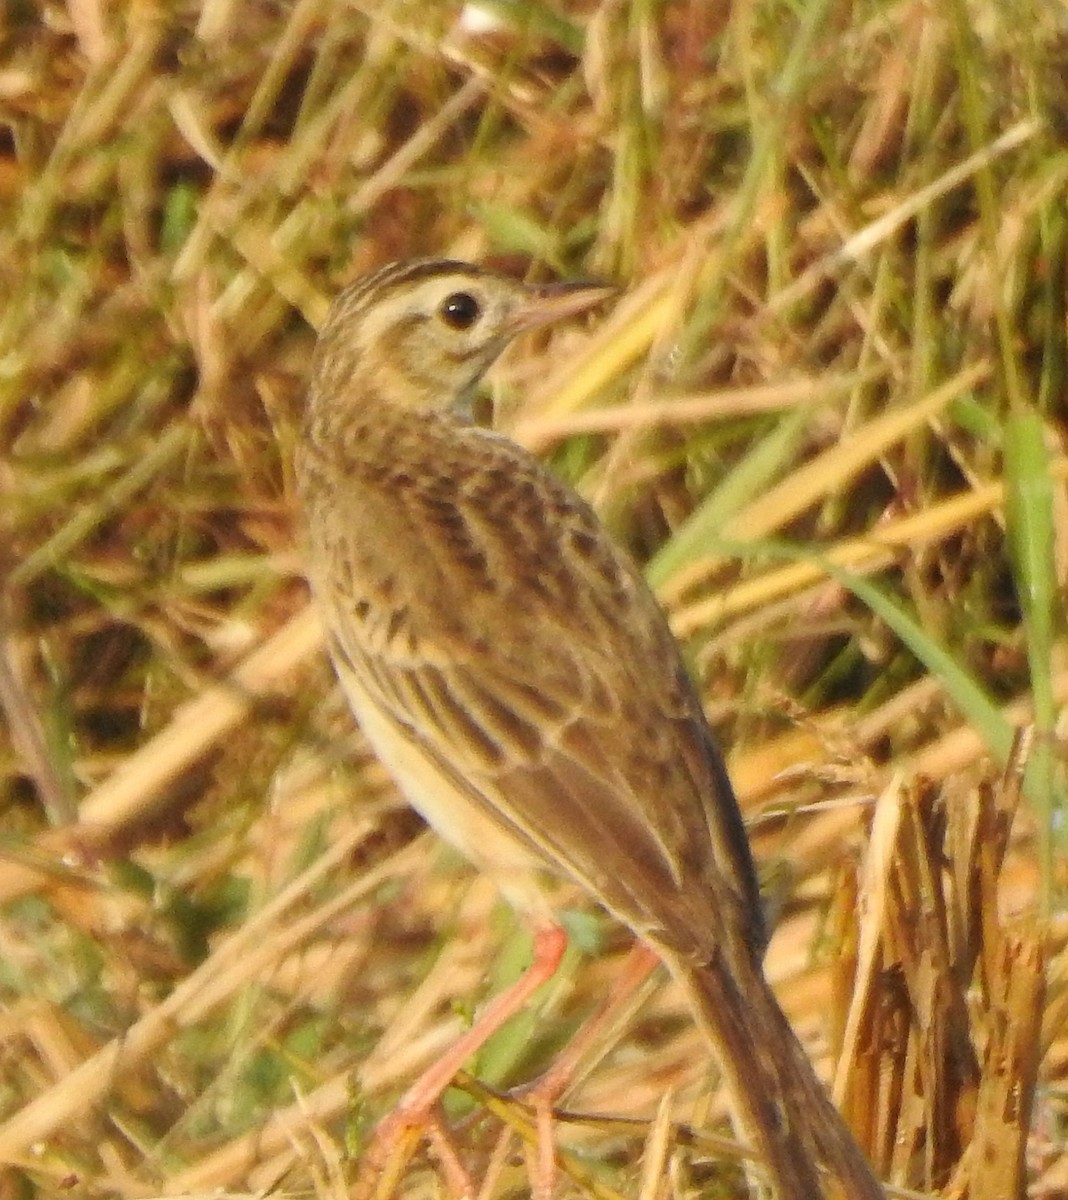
(514, 673)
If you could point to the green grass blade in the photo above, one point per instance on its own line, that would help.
(749, 478)
(1029, 500)
(976, 705)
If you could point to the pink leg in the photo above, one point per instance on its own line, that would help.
(545, 1091)
(457, 1180)
(396, 1136)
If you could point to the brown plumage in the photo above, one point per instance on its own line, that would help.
(515, 674)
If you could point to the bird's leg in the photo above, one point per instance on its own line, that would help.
(457, 1180)
(395, 1138)
(544, 1092)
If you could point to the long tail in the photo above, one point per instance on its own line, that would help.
(778, 1104)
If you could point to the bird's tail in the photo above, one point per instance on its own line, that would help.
(779, 1106)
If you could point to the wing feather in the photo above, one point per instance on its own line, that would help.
(538, 680)
(627, 819)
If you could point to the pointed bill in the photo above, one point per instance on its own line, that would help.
(555, 301)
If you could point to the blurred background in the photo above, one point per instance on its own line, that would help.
(827, 415)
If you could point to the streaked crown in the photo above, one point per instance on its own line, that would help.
(423, 333)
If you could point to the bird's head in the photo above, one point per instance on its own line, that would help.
(423, 333)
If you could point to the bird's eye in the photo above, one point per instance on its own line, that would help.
(460, 310)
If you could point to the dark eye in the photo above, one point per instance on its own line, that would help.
(460, 310)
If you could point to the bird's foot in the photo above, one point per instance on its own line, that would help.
(392, 1145)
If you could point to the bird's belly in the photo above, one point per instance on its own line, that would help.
(444, 806)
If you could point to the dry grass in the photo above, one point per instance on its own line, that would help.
(828, 414)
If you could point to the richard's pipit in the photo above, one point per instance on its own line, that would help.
(515, 674)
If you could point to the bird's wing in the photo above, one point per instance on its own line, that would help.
(572, 725)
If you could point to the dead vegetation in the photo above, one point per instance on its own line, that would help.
(828, 413)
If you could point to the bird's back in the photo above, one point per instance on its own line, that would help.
(496, 636)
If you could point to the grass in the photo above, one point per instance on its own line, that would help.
(827, 413)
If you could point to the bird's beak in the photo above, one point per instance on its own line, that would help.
(551, 302)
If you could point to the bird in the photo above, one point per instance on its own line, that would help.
(514, 673)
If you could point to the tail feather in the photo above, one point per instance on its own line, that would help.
(779, 1106)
